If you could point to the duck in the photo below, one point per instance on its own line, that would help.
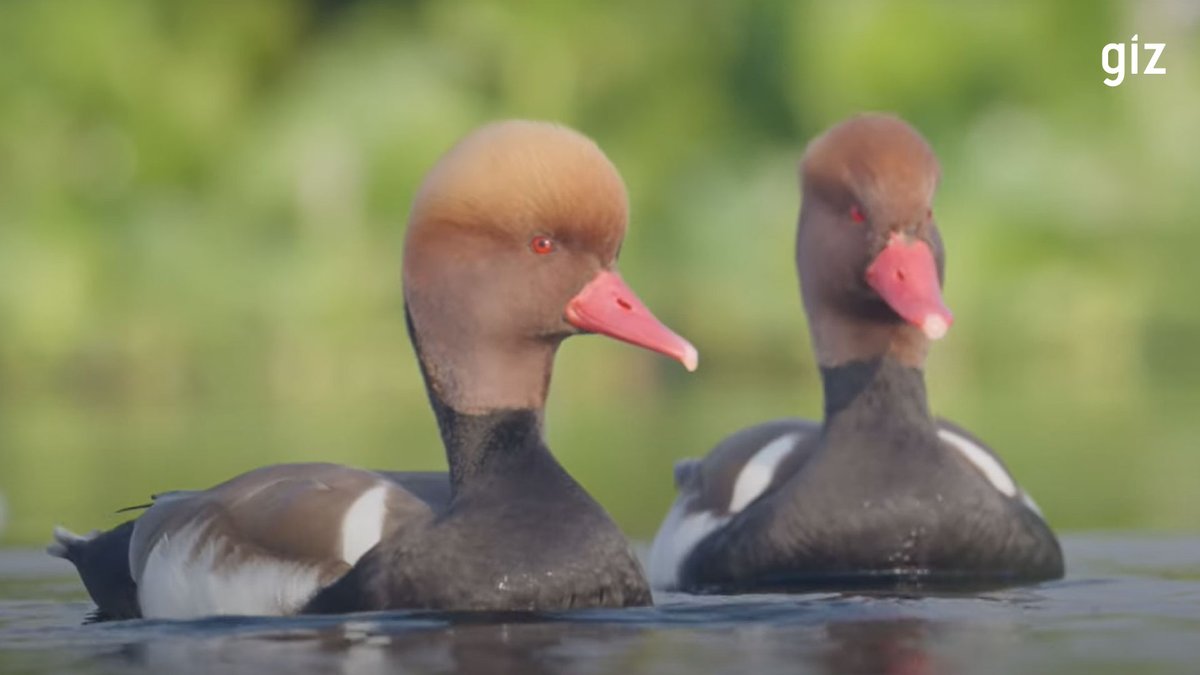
(880, 494)
(511, 247)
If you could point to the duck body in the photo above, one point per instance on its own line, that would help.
(873, 498)
(879, 493)
(274, 541)
(260, 543)
(526, 536)
(511, 248)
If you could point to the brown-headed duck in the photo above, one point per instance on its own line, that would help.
(880, 493)
(511, 247)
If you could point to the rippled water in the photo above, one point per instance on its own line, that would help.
(1129, 604)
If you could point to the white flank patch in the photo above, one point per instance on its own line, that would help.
(679, 534)
(757, 474)
(181, 581)
(982, 460)
(362, 526)
(1029, 503)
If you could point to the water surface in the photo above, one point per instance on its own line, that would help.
(1129, 604)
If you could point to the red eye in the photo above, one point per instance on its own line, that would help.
(541, 245)
(856, 214)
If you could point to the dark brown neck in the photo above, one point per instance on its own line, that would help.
(840, 338)
(491, 448)
(486, 434)
(875, 394)
(473, 371)
(876, 413)
(875, 399)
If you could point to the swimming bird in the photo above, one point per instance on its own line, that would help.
(880, 493)
(511, 247)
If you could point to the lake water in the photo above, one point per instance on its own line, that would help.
(1129, 604)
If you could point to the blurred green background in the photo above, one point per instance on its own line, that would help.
(202, 206)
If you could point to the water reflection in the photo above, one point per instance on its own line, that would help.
(648, 642)
(1129, 606)
(394, 645)
(891, 647)
(532, 648)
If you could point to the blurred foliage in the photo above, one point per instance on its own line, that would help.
(202, 207)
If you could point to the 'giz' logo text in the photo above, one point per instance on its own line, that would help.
(1118, 70)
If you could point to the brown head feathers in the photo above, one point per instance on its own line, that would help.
(868, 252)
(875, 160)
(516, 178)
(512, 246)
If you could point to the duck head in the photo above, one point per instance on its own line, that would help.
(868, 252)
(511, 247)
